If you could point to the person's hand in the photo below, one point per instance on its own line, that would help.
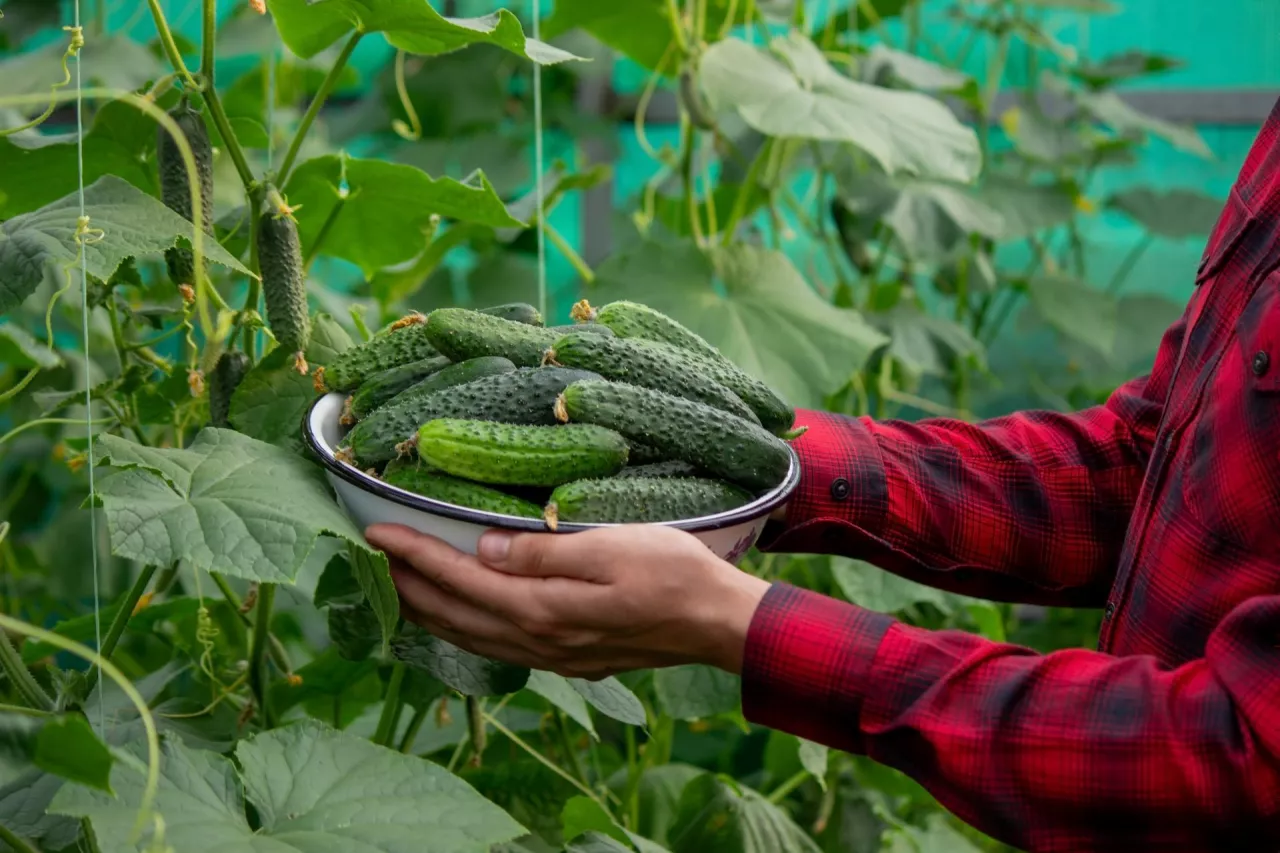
(584, 605)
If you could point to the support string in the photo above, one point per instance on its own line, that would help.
(537, 168)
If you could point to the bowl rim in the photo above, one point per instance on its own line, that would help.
(753, 511)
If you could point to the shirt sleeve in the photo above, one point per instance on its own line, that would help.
(1069, 751)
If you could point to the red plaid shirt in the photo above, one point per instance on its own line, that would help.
(1161, 506)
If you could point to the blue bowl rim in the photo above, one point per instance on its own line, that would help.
(760, 507)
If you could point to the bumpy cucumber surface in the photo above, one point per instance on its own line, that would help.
(462, 334)
(723, 445)
(284, 285)
(384, 351)
(772, 411)
(382, 387)
(457, 374)
(437, 485)
(643, 454)
(231, 367)
(520, 455)
(517, 312)
(585, 328)
(175, 188)
(672, 468)
(650, 367)
(642, 500)
(633, 320)
(525, 396)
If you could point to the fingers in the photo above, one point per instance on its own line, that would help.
(546, 555)
(441, 613)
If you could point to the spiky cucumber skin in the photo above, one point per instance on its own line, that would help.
(284, 283)
(771, 411)
(724, 445)
(643, 454)
(520, 455)
(227, 373)
(643, 500)
(175, 189)
(586, 328)
(516, 312)
(385, 351)
(458, 374)
(462, 334)
(633, 320)
(672, 468)
(650, 367)
(383, 387)
(437, 485)
(525, 396)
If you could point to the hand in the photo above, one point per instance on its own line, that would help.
(583, 605)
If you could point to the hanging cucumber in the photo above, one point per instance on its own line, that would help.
(284, 282)
(230, 369)
(641, 500)
(462, 334)
(437, 485)
(520, 455)
(175, 187)
(403, 342)
(382, 387)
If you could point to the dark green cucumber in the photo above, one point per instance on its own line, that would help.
(642, 500)
(520, 455)
(231, 367)
(723, 445)
(383, 387)
(772, 411)
(437, 485)
(643, 454)
(525, 396)
(175, 186)
(284, 281)
(663, 369)
(588, 328)
(672, 468)
(462, 334)
(458, 374)
(384, 351)
(633, 320)
(517, 312)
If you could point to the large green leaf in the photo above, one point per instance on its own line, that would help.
(387, 208)
(1076, 309)
(696, 691)
(884, 64)
(23, 811)
(1027, 207)
(937, 837)
(470, 675)
(716, 817)
(754, 305)
(228, 503)
(19, 349)
(41, 245)
(64, 746)
(797, 94)
(1110, 109)
(875, 589)
(556, 690)
(638, 29)
(612, 698)
(111, 61)
(923, 343)
(309, 26)
(313, 789)
(1177, 214)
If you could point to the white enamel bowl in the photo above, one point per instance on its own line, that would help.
(368, 500)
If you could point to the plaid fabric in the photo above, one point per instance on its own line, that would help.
(1161, 506)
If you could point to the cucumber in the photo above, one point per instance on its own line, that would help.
(641, 500)
(382, 387)
(284, 281)
(384, 351)
(462, 334)
(457, 374)
(525, 396)
(649, 367)
(437, 485)
(643, 454)
(227, 373)
(771, 410)
(724, 445)
(588, 328)
(518, 454)
(672, 468)
(175, 187)
(517, 312)
(633, 320)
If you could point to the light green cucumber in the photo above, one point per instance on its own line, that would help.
(520, 455)
(437, 485)
(462, 334)
(642, 500)
(388, 349)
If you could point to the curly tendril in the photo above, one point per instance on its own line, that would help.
(73, 50)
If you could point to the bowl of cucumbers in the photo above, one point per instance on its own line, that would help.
(461, 421)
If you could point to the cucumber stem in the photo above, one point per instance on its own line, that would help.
(326, 88)
(257, 650)
(121, 619)
(25, 683)
(389, 719)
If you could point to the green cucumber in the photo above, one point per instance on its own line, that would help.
(458, 374)
(723, 445)
(642, 500)
(284, 280)
(633, 320)
(516, 312)
(649, 367)
(382, 387)
(525, 396)
(227, 373)
(643, 454)
(175, 186)
(588, 328)
(462, 334)
(772, 411)
(437, 485)
(518, 454)
(384, 351)
(672, 468)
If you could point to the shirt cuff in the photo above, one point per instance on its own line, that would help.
(807, 665)
(842, 486)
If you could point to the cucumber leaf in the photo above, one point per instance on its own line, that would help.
(1177, 214)
(696, 691)
(19, 349)
(1076, 309)
(469, 674)
(64, 746)
(556, 690)
(612, 698)
(638, 29)
(719, 817)
(309, 26)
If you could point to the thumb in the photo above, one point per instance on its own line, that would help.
(541, 555)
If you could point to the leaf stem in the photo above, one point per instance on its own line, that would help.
(326, 88)
(314, 249)
(739, 209)
(170, 46)
(1130, 261)
(415, 726)
(475, 725)
(689, 147)
(546, 762)
(230, 140)
(780, 793)
(25, 683)
(391, 706)
(208, 39)
(570, 754)
(39, 422)
(583, 268)
(121, 619)
(15, 843)
(24, 710)
(258, 647)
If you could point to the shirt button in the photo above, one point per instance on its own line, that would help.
(840, 488)
(1109, 610)
(1261, 361)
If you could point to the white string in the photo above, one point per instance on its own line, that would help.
(88, 395)
(537, 144)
